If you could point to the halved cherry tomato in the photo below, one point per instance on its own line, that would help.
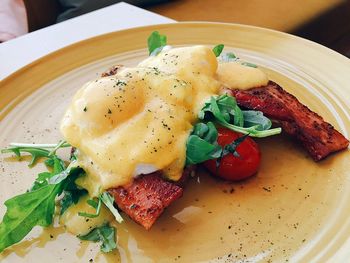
(236, 168)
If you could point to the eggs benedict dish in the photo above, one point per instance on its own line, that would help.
(138, 120)
(137, 133)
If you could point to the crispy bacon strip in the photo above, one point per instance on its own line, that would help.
(146, 198)
(317, 136)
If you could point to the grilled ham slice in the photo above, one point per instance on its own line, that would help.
(317, 136)
(146, 198)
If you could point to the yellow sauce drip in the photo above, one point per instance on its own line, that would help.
(79, 225)
(234, 75)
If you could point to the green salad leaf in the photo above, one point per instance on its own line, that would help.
(94, 204)
(71, 197)
(35, 150)
(36, 153)
(231, 148)
(202, 144)
(218, 49)
(248, 64)
(156, 42)
(256, 118)
(25, 211)
(104, 234)
(228, 57)
(57, 166)
(35, 207)
(108, 200)
(231, 57)
(224, 110)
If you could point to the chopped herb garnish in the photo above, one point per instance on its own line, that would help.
(121, 83)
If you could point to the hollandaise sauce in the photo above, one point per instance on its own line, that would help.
(138, 121)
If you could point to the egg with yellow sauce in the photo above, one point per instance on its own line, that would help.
(138, 121)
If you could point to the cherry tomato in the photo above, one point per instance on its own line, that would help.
(236, 168)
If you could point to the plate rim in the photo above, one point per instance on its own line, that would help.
(165, 25)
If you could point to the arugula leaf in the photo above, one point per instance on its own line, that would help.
(34, 208)
(57, 165)
(49, 162)
(60, 144)
(256, 118)
(202, 144)
(26, 211)
(70, 198)
(94, 204)
(41, 180)
(228, 57)
(231, 148)
(108, 200)
(104, 234)
(228, 108)
(36, 153)
(74, 154)
(71, 195)
(218, 49)
(35, 150)
(225, 111)
(155, 42)
(206, 131)
(238, 119)
(248, 64)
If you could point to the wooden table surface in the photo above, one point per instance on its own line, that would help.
(285, 15)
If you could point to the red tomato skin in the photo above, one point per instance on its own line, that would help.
(236, 168)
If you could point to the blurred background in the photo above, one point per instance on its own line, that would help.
(324, 21)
